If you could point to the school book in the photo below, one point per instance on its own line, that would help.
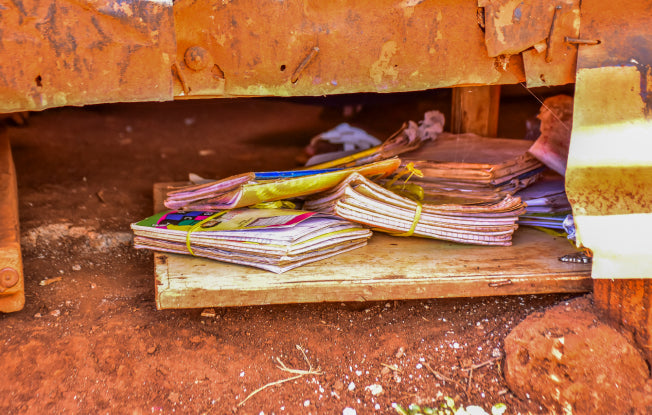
(467, 168)
(252, 188)
(276, 240)
(361, 200)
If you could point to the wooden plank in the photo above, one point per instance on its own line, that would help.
(475, 110)
(387, 268)
(12, 291)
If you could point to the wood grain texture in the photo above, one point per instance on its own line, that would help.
(475, 110)
(12, 292)
(388, 268)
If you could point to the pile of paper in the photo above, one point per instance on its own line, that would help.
(546, 203)
(454, 187)
(361, 200)
(276, 240)
(467, 169)
(250, 189)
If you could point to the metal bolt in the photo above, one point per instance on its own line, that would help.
(8, 277)
(196, 58)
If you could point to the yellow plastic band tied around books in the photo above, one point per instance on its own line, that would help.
(198, 225)
(409, 168)
(417, 217)
(410, 190)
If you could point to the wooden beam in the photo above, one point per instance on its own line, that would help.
(12, 292)
(475, 110)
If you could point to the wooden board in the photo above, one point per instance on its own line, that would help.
(12, 292)
(475, 110)
(388, 268)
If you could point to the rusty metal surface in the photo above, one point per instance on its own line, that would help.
(308, 47)
(68, 52)
(609, 174)
(556, 65)
(611, 147)
(537, 29)
(12, 291)
(512, 26)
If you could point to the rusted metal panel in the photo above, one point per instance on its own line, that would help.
(515, 25)
(309, 47)
(68, 52)
(556, 65)
(538, 30)
(12, 287)
(609, 175)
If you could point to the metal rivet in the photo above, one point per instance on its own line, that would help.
(196, 58)
(8, 277)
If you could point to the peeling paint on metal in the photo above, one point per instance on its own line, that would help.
(383, 66)
(437, 44)
(72, 53)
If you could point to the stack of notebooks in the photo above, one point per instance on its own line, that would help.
(276, 240)
(469, 169)
(363, 201)
(547, 204)
(250, 189)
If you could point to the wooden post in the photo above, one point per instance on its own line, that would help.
(475, 110)
(12, 292)
(629, 303)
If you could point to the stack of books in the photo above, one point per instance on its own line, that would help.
(276, 240)
(363, 201)
(468, 169)
(546, 203)
(252, 188)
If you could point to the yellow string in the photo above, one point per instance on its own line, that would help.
(409, 168)
(196, 226)
(413, 170)
(414, 193)
(417, 217)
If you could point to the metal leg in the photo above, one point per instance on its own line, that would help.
(12, 291)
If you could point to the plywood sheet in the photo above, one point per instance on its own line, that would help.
(388, 268)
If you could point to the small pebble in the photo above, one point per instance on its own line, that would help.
(375, 389)
(400, 352)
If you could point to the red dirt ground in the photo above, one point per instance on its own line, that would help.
(93, 341)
